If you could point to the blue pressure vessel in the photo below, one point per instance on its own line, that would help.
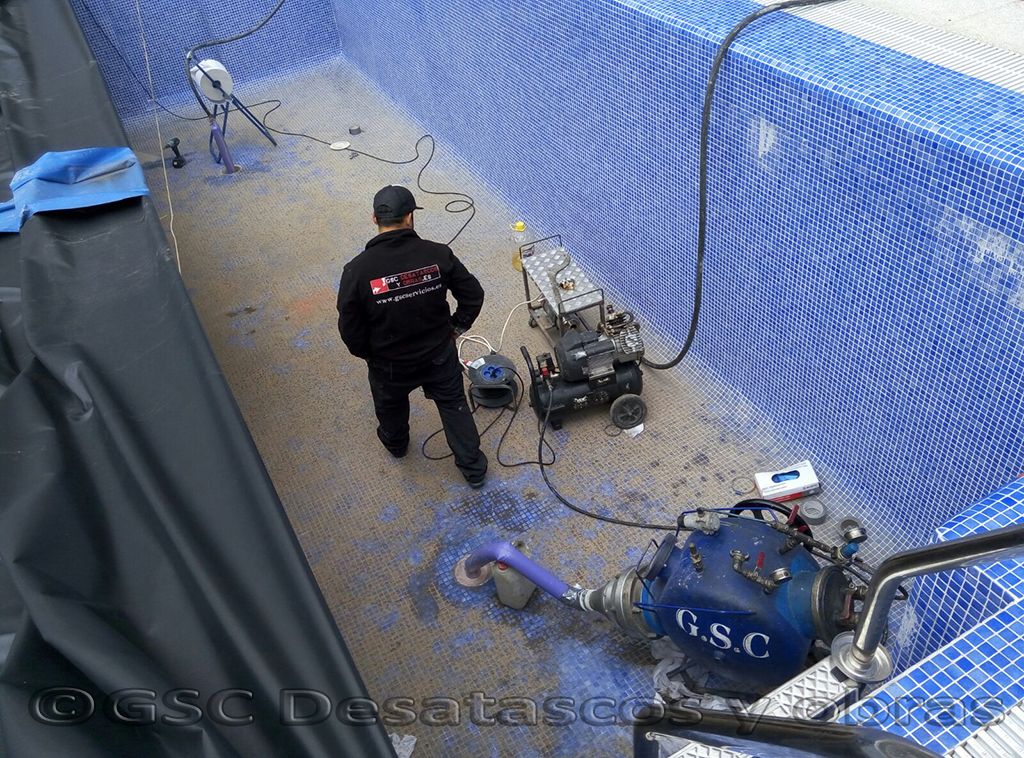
(725, 621)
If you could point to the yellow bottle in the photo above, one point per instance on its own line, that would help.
(518, 237)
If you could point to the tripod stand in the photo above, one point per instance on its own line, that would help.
(216, 84)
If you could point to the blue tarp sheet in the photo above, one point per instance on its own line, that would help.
(72, 179)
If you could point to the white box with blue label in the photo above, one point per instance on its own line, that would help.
(798, 480)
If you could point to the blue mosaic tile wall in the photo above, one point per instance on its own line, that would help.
(940, 609)
(863, 283)
(303, 33)
(944, 606)
(966, 629)
(863, 278)
(950, 695)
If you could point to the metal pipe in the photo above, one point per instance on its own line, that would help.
(616, 600)
(859, 654)
(755, 734)
(222, 148)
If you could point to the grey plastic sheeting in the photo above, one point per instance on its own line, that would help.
(142, 543)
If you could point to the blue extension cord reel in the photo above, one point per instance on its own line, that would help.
(493, 383)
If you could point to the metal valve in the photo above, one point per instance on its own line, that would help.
(768, 583)
(696, 559)
(853, 536)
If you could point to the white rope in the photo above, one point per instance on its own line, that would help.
(159, 137)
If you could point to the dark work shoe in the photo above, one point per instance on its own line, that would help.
(478, 481)
(389, 444)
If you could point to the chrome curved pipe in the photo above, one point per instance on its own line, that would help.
(859, 654)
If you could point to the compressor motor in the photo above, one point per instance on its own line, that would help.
(591, 368)
(591, 365)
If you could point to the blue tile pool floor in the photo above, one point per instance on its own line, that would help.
(261, 253)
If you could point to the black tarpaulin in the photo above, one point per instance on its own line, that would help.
(143, 546)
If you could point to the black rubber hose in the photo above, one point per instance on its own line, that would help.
(571, 505)
(761, 503)
(702, 170)
(191, 53)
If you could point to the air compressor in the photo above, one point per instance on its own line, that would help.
(596, 350)
(591, 368)
(746, 597)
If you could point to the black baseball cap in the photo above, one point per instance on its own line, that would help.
(394, 202)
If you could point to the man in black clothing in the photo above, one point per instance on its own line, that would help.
(393, 312)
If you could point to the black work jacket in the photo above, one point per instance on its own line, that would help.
(393, 299)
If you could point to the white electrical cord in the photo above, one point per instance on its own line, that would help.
(463, 339)
(501, 339)
(480, 340)
(159, 137)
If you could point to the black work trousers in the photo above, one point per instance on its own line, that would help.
(442, 382)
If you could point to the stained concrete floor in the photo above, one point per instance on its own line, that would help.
(261, 253)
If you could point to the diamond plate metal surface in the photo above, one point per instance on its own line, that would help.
(1002, 739)
(706, 751)
(548, 268)
(807, 696)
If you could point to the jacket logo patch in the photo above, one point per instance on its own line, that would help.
(406, 279)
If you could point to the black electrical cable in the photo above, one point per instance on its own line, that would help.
(423, 445)
(461, 204)
(761, 503)
(751, 504)
(702, 169)
(514, 404)
(541, 444)
(135, 76)
(202, 45)
(516, 464)
(571, 505)
(263, 121)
